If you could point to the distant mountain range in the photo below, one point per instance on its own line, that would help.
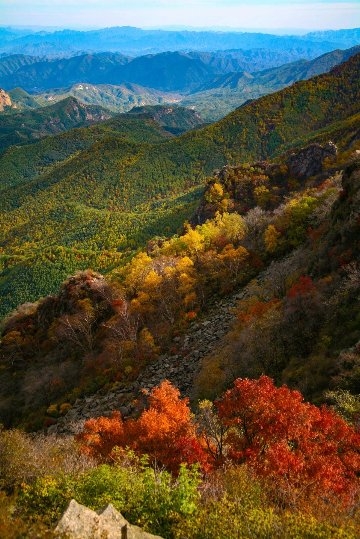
(288, 73)
(213, 84)
(135, 41)
(36, 74)
(226, 92)
(167, 72)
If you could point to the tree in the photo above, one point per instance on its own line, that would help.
(234, 262)
(346, 405)
(279, 435)
(167, 293)
(256, 221)
(77, 328)
(259, 344)
(271, 238)
(215, 193)
(212, 430)
(101, 435)
(165, 431)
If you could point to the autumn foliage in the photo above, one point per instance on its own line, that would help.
(165, 432)
(279, 435)
(271, 429)
(303, 287)
(101, 435)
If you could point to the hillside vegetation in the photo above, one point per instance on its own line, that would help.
(96, 331)
(28, 126)
(92, 196)
(300, 325)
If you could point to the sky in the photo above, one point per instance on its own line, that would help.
(251, 14)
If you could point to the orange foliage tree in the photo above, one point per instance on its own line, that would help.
(270, 429)
(281, 436)
(165, 431)
(101, 434)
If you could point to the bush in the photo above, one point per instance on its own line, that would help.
(13, 526)
(150, 498)
(147, 497)
(24, 457)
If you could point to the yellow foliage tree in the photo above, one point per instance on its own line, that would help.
(271, 238)
(215, 193)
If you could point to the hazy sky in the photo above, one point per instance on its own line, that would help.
(252, 14)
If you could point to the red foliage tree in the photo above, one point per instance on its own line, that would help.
(302, 287)
(279, 435)
(257, 310)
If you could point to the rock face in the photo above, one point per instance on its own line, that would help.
(79, 522)
(309, 161)
(5, 100)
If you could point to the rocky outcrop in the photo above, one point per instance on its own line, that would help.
(309, 161)
(5, 100)
(79, 522)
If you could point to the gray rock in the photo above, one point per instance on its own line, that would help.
(309, 161)
(52, 429)
(124, 410)
(79, 522)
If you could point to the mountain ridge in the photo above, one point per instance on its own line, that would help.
(168, 71)
(204, 81)
(131, 40)
(27, 126)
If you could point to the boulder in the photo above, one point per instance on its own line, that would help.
(308, 161)
(79, 522)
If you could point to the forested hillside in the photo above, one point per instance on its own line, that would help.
(28, 126)
(293, 223)
(116, 98)
(91, 197)
(299, 323)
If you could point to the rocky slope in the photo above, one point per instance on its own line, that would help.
(180, 367)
